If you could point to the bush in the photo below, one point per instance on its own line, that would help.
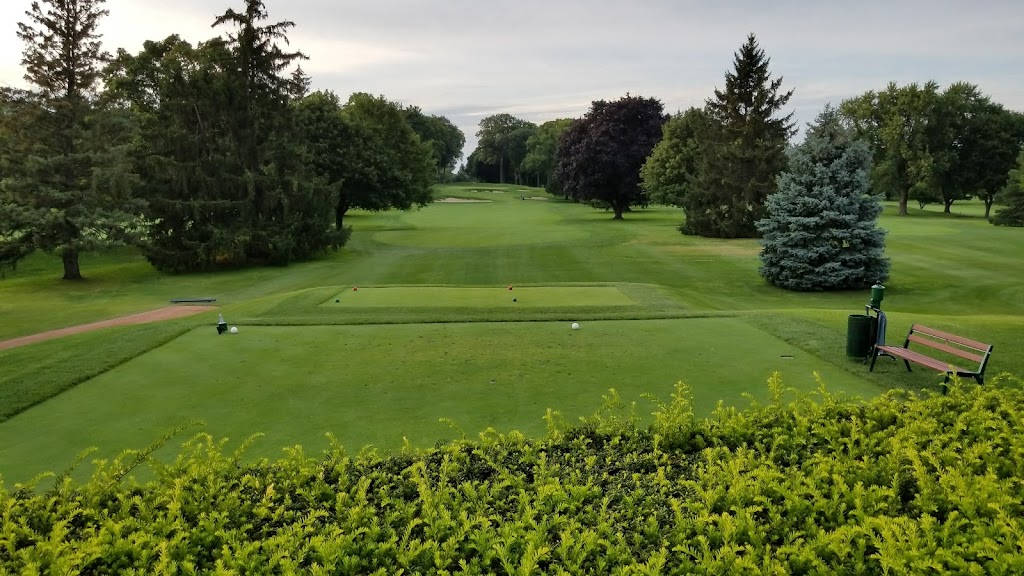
(900, 484)
(1012, 197)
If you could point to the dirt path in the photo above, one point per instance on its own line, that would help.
(157, 315)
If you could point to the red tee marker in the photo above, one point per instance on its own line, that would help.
(509, 287)
(355, 288)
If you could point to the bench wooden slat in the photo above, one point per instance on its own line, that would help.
(923, 335)
(980, 346)
(948, 349)
(923, 360)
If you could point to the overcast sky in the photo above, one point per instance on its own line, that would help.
(543, 59)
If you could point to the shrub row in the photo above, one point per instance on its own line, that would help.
(901, 484)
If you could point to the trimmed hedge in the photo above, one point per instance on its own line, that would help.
(902, 484)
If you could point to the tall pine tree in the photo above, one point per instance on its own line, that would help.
(67, 186)
(189, 167)
(821, 230)
(229, 174)
(743, 152)
(265, 131)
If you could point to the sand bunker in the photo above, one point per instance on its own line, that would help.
(461, 200)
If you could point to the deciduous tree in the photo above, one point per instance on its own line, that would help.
(895, 122)
(600, 155)
(541, 148)
(480, 170)
(383, 163)
(936, 146)
(986, 147)
(499, 139)
(445, 139)
(672, 170)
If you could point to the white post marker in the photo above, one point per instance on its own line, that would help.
(234, 329)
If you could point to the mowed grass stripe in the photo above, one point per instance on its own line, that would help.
(378, 384)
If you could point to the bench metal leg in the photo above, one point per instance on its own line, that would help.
(878, 355)
(945, 385)
(871, 354)
(907, 362)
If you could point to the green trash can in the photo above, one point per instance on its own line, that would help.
(859, 328)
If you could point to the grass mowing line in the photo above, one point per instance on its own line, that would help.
(470, 297)
(305, 307)
(34, 374)
(378, 384)
(406, 316)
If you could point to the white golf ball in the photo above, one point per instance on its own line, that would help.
(575, 325)
(234, 329)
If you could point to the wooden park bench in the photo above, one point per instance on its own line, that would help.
(192, 300)
(943, 342)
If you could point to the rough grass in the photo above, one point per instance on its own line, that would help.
(36, 373)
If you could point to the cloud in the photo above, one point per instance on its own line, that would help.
(542, 59)
(331, 56)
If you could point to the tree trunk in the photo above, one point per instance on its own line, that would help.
(904, 197)
(619, 209)
(339, 215)
(71, 270)
(948, 204)
(988, 207)
(501, 170)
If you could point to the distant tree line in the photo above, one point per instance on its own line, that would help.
(206, 156)
(732, 167)
(514, 150)
(721, 162)
(932, 146)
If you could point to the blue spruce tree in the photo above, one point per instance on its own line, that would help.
(821, 231)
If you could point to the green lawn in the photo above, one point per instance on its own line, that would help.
(378, 384)
(638, 286)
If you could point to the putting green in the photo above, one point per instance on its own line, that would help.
(498, 296)
(376, 384)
